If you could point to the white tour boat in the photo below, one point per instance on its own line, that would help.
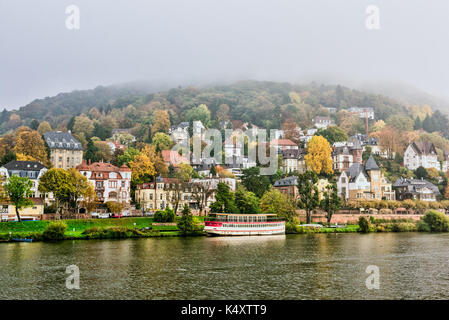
(234, 224)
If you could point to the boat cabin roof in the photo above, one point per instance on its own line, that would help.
(244, 214)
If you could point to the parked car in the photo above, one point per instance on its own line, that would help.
(94, 214)
(103, 215)
(117, 215)
(125, 213)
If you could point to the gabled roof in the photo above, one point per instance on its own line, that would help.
(24, 166)
(423, 148)
(354, 171)
(173, 157)
(293, 153)
(414, 185)
(289, 181)
(62, 140)
(371, 164)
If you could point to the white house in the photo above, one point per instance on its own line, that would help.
(322, 122)
(111, 183)
(420, 153)
(29, 169)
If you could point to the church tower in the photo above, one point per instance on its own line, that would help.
(357, 152)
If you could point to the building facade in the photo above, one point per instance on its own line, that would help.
(65, 151)
(110, 183)
(346, 155)
(416, 189)
(293, 160)
(29, 169)
(364, 183)
(420, 153)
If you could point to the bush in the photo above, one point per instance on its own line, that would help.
(114, 232)
(166, 215)
(364, 225)
(55, 231)
(435, 221)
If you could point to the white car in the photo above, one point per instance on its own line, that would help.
(103, 215)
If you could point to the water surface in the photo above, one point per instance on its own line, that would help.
(321, 266)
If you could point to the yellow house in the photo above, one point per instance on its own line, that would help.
(34, 212)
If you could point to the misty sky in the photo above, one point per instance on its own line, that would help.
(184, 41)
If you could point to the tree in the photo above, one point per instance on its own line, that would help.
(274, 201)
(224, 200)
(78, 187)
(83, 125)
(201, 193)
(308, 193)
(186, 223)
(200, 113)
(421, 173)
(162, 141)
(161, 122)
(333, 134)
(57, 181)
(159, 164)
(331, 202)
(291, 130)
(254, 182)
(114, 207)
(18, 189)
(142, 169)
(247, 202)
(222, 113)
(34, 124)
(318, 157)
(30, 143)
(44, 127)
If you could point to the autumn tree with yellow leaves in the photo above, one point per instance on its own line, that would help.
(142, 169)
(318, 158)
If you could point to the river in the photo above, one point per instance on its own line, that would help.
(320, 266)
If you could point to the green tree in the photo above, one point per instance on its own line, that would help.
(274, 201)
(186, 224)
(333, 134)
(161, 141)
(421, 172)
(254, 182)
(331, 202)
(200, 113)
(247, 202)
(308, 193)
(224, 200)
(18, 189)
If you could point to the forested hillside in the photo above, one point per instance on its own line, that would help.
(265, 104)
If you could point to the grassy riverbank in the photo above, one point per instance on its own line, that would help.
(91, 229)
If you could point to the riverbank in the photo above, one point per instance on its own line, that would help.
(141, 227)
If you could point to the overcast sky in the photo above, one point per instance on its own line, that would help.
(214, 40)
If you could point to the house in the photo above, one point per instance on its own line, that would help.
(289, 186)
(293, 160)
(33, 212)
(110, 183)
(416, 189)
(420, 153)
(163, 193)
(172, 157)
(180, 132)
(332, 110)
(29, 169)
(284, 144)
(65, 151)
(371, 143)
(362, 112)
(345, 155)
(367, 182)
(114, 145)
(322, 122)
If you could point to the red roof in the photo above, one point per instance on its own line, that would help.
(283, 142)
(173, 157)
(101, 167)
